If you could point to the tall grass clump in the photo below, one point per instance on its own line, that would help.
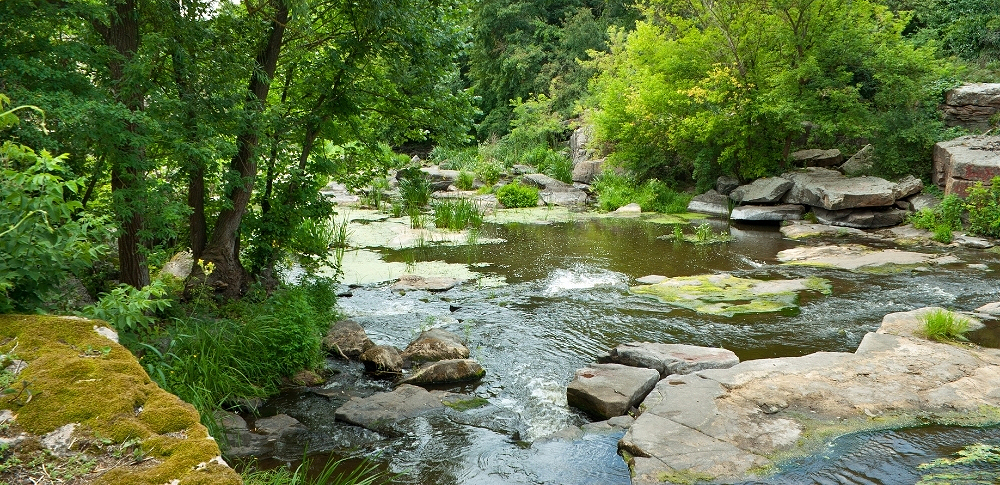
(941, 324)
(415, 190)
(983, 204)
(465, 181)
(615, 190)
(515, 195)
(334, 472)
(941, 220)
(457, 215)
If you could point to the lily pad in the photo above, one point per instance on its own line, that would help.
(727, 295)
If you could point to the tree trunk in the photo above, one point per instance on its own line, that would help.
(229, 277)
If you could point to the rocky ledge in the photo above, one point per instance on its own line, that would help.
(731, 424)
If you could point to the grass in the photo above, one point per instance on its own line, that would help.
(334, 472)
(614, 191)
(415, 190)
(944, 325)
(703, 235)
(465, 180)
(457, 215)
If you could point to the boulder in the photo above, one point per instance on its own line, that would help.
(306, 378)
(831, 190)
(586, 171)
(861, 218)
(990, 309)
(711, 202)
(908, 186)
(924, 201)
(971, 241)
(411, 282)
(436, 344)
(348, 339)
(911, 323)
(725, 185)
(961, 162)
(632, 208)
(818, 158)
(565, 197)
(378, 412)
(783, 212)
(544, 182)
(440, 179)
(668, 359)
(446, 372)
(608, 390)
(861, 163)
(972, 105)
(767, 190)
(382, 360)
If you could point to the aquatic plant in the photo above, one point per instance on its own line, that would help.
(703, 235)
(334, 472)
(374, 195)
(414, 189)
(457, 215)
(416, 217)
(944, 325)
(976, 463)
(515, 195)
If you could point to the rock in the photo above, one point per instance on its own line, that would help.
(434, 345)
(784, 212)
(347, 338)
(670, 359)
(650, 279)
(961, 162)
(566, 197)
(440, 179)
(924, 201)
(861, 218)
(972, 105)
(380, 411)
(632, 208)
(382, 360)
(338, 193)
(726, 295)
(544, 182)
(578, 142)
(971, 241)
(911, 324)
(761, 191)
(711, 202)
(818, 158)
(861, 163)
(307, 378)
(719, 425)
(908, 186)
(179, 266)
(446, 372)
(586, 171)
(410, 282)
(905, 205)
(609, 390)
(803, 230)
(521, 169)
(60, 440)
(856, 257)
(990, 309)
(831, 190)
(726, 185)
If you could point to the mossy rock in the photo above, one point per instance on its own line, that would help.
(727, 295)
(75, 375)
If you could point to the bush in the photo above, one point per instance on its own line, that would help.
(614, 191)
(941, 220)
(414, 188)
(551, 163)
(515, 195)
(983, 204)
(944, 325)
(465, 180)
(457, 214)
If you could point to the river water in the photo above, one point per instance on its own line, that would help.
(566, 301)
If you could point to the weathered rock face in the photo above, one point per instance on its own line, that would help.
(761, 191)
(609, 390)
(446, 372)
(586, 171)
(722, 423)
(782, 212)
(818, 158)
(908, 186)
(578, 142)
(434, 345)
(960, 163)
(971, 106)
(831, 190)
(439, 178)
(670, 359)
(382, 360)
(711, 202)
(410, 282)
(861, 163)
(861, 218)
(380, 411)
(347, 338)
(857, 257)
(726, 185)
(543, 182)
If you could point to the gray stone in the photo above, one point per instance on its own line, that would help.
(903, 204)
(521, 169)
(818, 158)
(726, 185)
(972, 105)
(990, 308)
(586, 171)
(608, 390)
(578, 141)
(60, 440)
(911, 323)
(339, 194)
(106, 333)
(348, 339)
(761, 191)
(783, 212)
(831, 190)
(857, 257)
(924, 201)
(861, 218)
(544, 182)
(711, 202)
(440, 179)
(908, 186)
(380, 411)
(565, 196)
(382, 360)
(961, 162)
(670, 359)
(632, 208)
(971, 241)
(436, 344)
(651, 279)
(861, 163)
(446, 372)
(800, 230)
(410, 282)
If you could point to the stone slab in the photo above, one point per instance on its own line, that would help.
(768, 190)
(711, 203)
(782, 212)
(608, 390)
(871, 218)
(670, 359)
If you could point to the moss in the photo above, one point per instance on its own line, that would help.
(467, 404)
(673, 219)
(109, 394)
(727, 295)
(819, 285)
(683, 477)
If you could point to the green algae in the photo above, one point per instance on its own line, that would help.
(727, 295)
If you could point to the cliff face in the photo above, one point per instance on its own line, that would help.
(77, 403)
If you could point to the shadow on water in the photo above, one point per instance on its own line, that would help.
(567, 301)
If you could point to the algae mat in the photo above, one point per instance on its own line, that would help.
(727, 295)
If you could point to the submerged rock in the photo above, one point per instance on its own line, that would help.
(670, 359)
(609, 390)
(436, 344)
(449, 371)
(348, 339)
(380, 411)
(727, 295)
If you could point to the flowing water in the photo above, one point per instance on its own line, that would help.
(566, 301)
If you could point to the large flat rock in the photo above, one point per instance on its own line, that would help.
(711, 202)
(608, 390)
(972, 105)
(670, 359)
(831, 190)
(722, 424)
(858, 257)
(781, 212)
(727, 295)
(869, 218)
(380, 411)
(768, 190)
(960, 163)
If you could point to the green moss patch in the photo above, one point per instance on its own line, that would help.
(111, 398)
(466, 404)
(727, 295)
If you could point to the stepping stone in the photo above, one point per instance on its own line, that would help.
(668, 359)
(608, 390)
(784, 212)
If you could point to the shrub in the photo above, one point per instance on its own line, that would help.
(457, 214)
(941, 220)
(465, 180)
(128, 309)
(944, 325)
(414, 188)
(983, 204)
(515, 195)
(614, 191)
(551, 163)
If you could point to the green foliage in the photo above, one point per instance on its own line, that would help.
(44, 235)
(554, 164)
(983, 204)
(339, 472)
(944, 325)
(455, 158)
(514, 195)
(457, 214)
(129, 309)
(942, 219)
(465, 181)
(414, 188)
(615, 190)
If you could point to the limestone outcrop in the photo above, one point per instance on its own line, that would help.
(960, 163)
(972, 105)
(609, 390)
